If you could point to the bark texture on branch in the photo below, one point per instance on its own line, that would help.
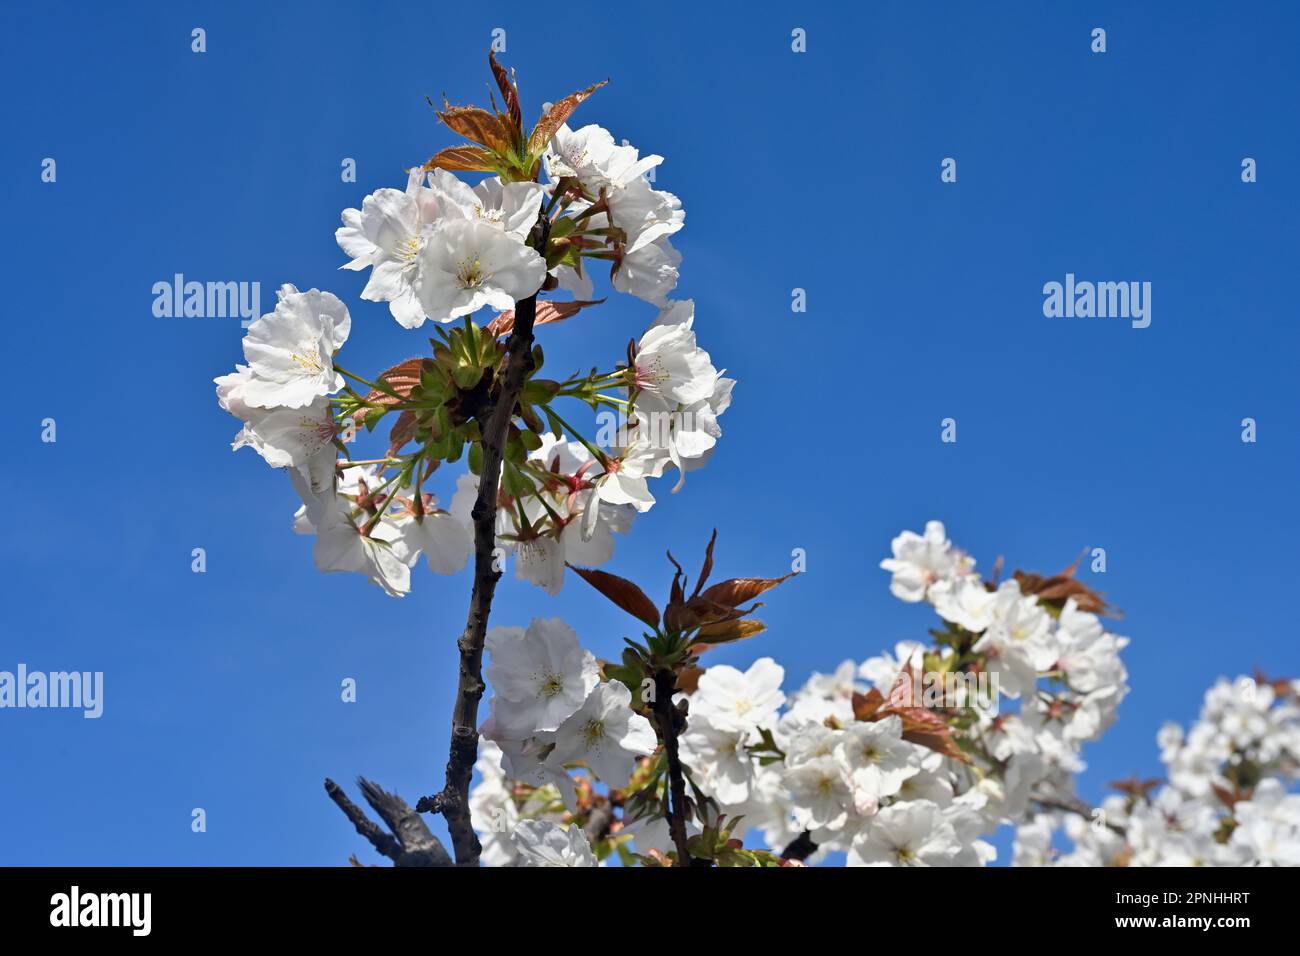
(671, 724)
(410, 843)
(494, 423)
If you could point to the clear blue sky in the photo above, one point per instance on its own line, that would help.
(818, 171)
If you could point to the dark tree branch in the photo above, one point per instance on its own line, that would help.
(800, 848)
(671, 724)
(453, 800)
(385, 843)
(599, 822)
(1081, 809)
(409, 844)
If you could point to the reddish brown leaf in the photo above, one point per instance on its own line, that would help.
(921, 720)
(402, 432)
(1135, 787)
(736, 591)
(509, 92)
(463, 159)
(623, 593)
(711, 612)
(902, 692)
(678, 617)
(1229, 798)
(401, 378)
(688, 679)
(1281, 686)
(939, 743)
(554, 118)
(478, 125)
(547, 312)
(1061, 587)
(676, 594)
(920, 725)
(926, 728)
(725, 632)
(707, 568)
(866, 705)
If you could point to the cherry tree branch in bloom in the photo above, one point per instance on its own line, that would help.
(453, 801)
(440, 251)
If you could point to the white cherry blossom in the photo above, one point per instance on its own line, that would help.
(290, 352)
(467, 264)
(539, 676)
(606, 735)
(543, 843)
(733, 700)
(386, 235)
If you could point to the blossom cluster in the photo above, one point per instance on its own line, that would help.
(855, 761)
(550, 707)
(919, 785)
(1228, 800)
(441, 250)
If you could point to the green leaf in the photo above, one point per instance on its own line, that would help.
(373, 416)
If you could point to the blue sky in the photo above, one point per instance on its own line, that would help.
(817, 170)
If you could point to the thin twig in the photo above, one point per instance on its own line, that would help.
(385, 843)
(1081, 809)
(410, 844)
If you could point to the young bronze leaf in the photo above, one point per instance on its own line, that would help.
(547, 312)
(469, 159)
(925, 727)
(725, 632)
(678, 617)
(940, 743)
(902, 692)
(401, 378)
(508, 92)
(711, 612)
(477, 125)
(739, 590)
(866, 705)
(1059, 588)
(403, 431)
(688, 679)
(554, 118)
(707, 568)
(1135, 787)
(623, 593)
